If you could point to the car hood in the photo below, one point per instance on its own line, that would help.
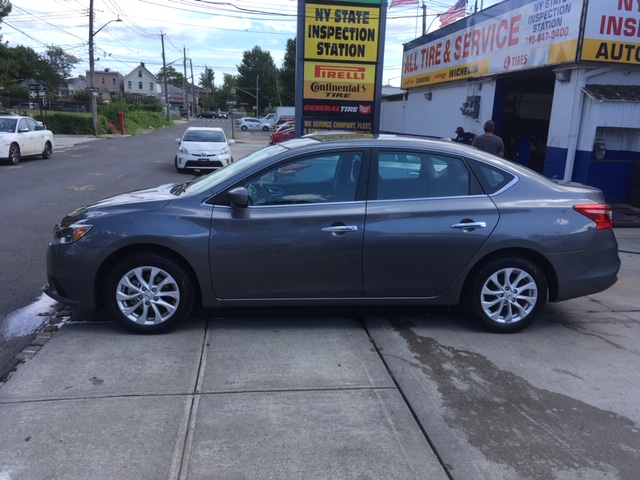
(203, 146)
(140, 200)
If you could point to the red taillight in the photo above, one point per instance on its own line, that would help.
(600, 213)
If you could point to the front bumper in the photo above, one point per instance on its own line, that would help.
(211, 162)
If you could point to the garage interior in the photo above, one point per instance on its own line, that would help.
(522, 113)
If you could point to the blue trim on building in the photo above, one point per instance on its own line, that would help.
(554, 162)
(611, 175)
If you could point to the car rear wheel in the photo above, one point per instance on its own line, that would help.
(507, 294)
(48, 149)
(243, 128)
(14, 154)
(148, 293)
(265, 129)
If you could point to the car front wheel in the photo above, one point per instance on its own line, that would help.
(265, 129)
(48, 149)
(14, 154)
(148, 293)
(507, 294)
(243, 128)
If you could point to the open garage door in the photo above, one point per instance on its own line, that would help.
(522, 111)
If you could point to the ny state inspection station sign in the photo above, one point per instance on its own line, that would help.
(342, 49)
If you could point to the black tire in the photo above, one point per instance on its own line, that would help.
(136, 306)
(265, 129)
(507, 294)
(14, 154)
(178, 169)
(48, 150)
(243, 128)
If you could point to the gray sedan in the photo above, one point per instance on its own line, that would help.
(340, 221)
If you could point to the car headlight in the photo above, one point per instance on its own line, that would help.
(183, 150)
(71, 233)
(224, 151)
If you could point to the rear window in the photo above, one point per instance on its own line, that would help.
(491, 178)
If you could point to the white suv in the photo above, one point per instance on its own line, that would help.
(203, 148)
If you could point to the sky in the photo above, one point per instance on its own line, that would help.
(214, 33)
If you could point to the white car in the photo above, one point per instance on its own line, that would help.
(250, 123)
(23, 137)
(203, 148)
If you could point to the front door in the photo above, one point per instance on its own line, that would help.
(300, 238)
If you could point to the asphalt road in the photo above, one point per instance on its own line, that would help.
(36, 194)
(557, 401)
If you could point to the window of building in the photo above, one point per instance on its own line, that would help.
(103, 81)
(151, 86)
(113, 82)
(139, 85)
(139, 73)
(129, 85)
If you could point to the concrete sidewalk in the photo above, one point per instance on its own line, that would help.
(226, 398)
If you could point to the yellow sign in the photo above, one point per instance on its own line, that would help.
(611, 51)
(342, 33)
(338, 81)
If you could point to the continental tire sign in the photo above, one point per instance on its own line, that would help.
(342, 46)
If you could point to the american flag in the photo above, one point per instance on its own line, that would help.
(454, 13)
(399, 3)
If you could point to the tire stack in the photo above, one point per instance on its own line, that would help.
(634, 188)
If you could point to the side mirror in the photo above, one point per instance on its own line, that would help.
(231, 142)
(239, 197)
(177, 140)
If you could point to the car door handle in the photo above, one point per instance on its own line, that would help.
(469, 225)
(340, 229)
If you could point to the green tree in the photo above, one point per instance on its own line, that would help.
(207, 99)
(173, 76)
(288, 75)
(207, 78)
(60, 65)
(257, 70)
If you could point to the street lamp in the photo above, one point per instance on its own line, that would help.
(92, 89)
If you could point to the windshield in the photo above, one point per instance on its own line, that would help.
(204, 136)
(207, 182)
(8, 125)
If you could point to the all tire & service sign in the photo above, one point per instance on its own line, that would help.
(342, 45)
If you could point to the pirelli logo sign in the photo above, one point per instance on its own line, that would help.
(334, 81)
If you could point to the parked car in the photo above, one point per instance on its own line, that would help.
(250, 123)
(27, 106)
(282, 135)
(203, 148)
(348, 221)
(23, 137)
(208, 115)
(285, 119)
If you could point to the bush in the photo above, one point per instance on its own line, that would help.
(138, 118)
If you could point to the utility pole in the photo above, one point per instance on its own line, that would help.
(424, 18)
(164, 77)
(193, 90)
(94, 102)
(257, 95)
(184, 82)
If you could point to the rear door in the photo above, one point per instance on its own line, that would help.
(426, 219)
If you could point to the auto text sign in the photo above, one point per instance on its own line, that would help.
(341, 67)
(612, 32)
(510, 36)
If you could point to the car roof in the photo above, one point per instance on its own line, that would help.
(206, 128)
